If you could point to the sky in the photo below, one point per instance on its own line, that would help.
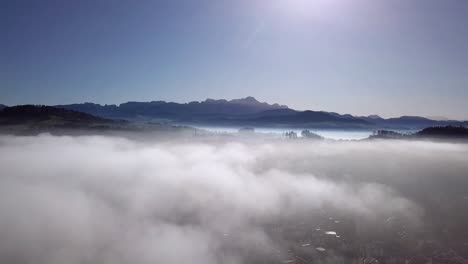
(386, 57)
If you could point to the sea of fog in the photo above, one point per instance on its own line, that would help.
(326, 133)
(106, 199)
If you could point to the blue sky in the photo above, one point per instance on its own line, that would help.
(386, 57)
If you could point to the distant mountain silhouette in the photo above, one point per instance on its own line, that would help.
(292, 118)
(35, 119)
(374, 117)
(238, 112)
(2, 106)
(438, 132)
(452, 132)
(249, 112)
(176, 111)
(414, 122)
(36, 114)
(439, 118)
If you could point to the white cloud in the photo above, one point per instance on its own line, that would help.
(112, 200)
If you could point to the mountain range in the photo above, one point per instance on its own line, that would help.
(36, 119)
(248, 112)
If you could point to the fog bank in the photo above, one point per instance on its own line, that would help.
(94, 199)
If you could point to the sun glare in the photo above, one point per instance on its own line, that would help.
(308, 8)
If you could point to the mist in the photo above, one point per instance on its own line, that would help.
(102, 199)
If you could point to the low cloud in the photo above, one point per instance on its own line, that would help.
(113, 200)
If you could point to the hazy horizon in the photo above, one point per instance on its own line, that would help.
(434, 117)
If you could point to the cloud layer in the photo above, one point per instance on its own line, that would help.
(112, 200)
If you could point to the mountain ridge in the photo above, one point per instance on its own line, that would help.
(38, 113)
(249, 111)
(36, 119)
